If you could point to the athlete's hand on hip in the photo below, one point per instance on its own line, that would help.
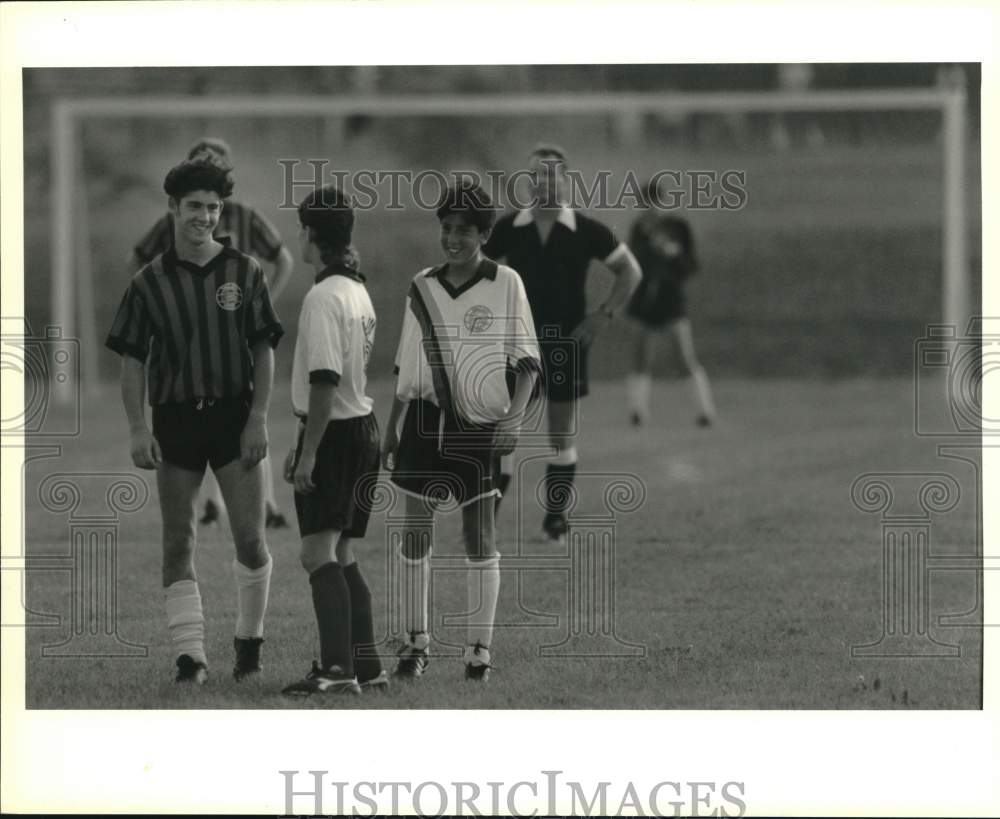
(253, 441)
(302, 475)
(145, 449)
(586, 331)
(390, 443)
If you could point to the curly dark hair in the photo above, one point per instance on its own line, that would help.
(328, 216)
(469, 201)
(198, 175)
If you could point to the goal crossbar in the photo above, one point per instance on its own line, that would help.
(69, 281)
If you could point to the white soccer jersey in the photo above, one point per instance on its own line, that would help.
(334, 342)
(457, 343)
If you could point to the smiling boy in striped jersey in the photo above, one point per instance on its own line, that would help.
(199, 319)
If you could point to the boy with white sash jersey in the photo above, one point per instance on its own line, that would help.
(467, 324)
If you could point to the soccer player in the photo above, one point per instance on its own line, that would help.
(199, 318)
(336, 451)
(467, 323)
(664, 246)
(552, 245)
(250, 232)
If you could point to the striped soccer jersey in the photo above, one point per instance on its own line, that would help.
(196, 326)
(242, 224)
(457, 344)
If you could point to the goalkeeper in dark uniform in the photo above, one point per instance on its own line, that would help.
(664, 247)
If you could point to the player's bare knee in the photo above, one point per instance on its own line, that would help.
(251, 551)
(344, 551)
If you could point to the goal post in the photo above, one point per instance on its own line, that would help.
(71, 279)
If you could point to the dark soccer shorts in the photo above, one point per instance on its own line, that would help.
(668, 303)
(564, 366)
(439, 459)
(346, 469)
(195, 433)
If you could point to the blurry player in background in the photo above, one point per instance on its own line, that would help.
(209, 386)
(551, 246)
(253, 234)
(664, 247)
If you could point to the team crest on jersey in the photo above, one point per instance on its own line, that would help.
(229, 296)
(478, 319)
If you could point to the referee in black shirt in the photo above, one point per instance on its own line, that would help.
(199, 319)
(552, 245)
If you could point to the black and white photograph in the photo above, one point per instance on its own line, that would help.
(407, 390)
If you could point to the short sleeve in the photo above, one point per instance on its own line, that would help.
(321, 327)
(262, 321)
(265, 241)
(408, 353)
(157, 240)
(521, 343)
(131, 329)
(496, 246)
(601, 242)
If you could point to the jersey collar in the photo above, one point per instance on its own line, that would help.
(487, 270)
(566, 217)
(339, 270)
(173, 261)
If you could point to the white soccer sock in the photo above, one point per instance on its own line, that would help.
(415, 578)
(252, 586)
(186, 620)
(638, 386)
(483, 584)
(702, 392)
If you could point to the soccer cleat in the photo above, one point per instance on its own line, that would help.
(274, 519)
(703, 420)
(247, 657)
(190, 670)
(379, 684)
(333, 680)
(555, 526)
(477, 663)
(635, 419)
(412, 662)
(210, 515)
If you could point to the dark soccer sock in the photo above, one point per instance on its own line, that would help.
(332, 603)
(366, 664)
(558, 487)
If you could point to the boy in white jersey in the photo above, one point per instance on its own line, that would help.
(337, 447)
(467, 324)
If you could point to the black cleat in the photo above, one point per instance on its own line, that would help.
(635, 419)
(275, 520)
(190, 670)
(412, 662)
(703, 420)
(247, 657)
(477, 663)
(333, 680)
(555, 526)
(210, 515)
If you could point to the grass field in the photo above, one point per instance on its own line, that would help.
(746, 575)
